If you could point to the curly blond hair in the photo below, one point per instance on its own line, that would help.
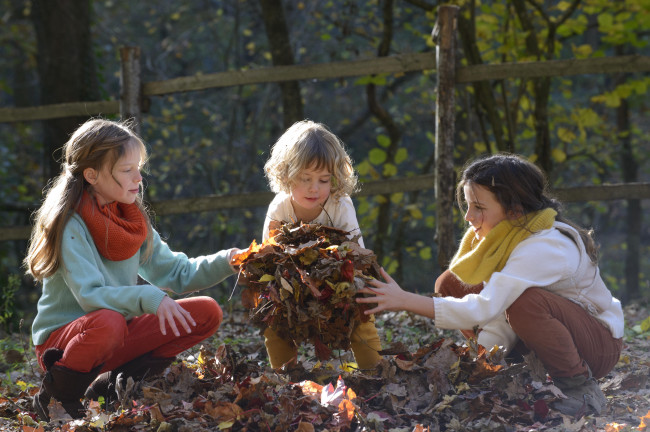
(310, 145)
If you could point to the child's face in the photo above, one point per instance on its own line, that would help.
(483, 210)
(310, 190)
(121, 182)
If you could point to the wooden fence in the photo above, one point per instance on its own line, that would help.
(135, 96)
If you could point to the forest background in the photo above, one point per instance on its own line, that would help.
(583, 129)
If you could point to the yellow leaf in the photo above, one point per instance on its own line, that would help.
(414, 211)
(566, 135)
(389, 170)
(645, 324)
(267, 278)
(558, 155)
(341, 287)
(563, 5)
(349, 367)
(582, 51)
(611, 99)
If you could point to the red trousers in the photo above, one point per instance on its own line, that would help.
(564, 336)
(105, 336)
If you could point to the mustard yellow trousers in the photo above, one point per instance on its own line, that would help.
(364, 343)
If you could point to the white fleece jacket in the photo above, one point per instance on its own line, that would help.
(554, 259)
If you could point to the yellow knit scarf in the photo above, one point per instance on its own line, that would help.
(475, 263)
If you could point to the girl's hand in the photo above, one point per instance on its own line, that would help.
(168, 312)
(233, 252)
(388, 296)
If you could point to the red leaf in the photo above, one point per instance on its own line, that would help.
(322, 351)
(541, 409)
(347, 271)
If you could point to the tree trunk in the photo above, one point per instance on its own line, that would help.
(541, 88)
(393, 131)
(66, 68)
(282, 55)
(542, 91)
(482, 89)
(634, 214)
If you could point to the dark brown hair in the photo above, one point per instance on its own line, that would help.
(521, 187)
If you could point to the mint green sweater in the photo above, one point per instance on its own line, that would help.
(86, 281)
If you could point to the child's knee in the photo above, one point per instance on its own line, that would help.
(365, 345)
(210, 315)
(108, 326)
(279, 350)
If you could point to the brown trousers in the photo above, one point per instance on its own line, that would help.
(565, 337)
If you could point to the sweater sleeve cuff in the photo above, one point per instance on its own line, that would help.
(439, 311)
(152, 302)
(226, 255)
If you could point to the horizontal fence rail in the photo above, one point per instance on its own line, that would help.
(552, 68)
(209, 203)
(392, 64)
(70, 109)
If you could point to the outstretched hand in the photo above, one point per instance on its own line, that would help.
(169, 311)
(231, 256)
(391, 297)
(388, 295)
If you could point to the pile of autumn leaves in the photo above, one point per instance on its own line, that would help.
(302, 283)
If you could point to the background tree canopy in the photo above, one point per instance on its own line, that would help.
(582, 130)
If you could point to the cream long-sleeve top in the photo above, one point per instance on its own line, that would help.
(338, 213)
(554, 259)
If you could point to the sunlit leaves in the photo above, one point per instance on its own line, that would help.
(383, 140)
(401, 155)
(565, 135)
(575, 25)
(389, 170)
(379, 79)
(558, 155)
(377, 156)
(582, 51)
(613, 98)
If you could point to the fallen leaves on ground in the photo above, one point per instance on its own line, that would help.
(428, 381)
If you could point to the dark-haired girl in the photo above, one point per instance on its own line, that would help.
(523, 273)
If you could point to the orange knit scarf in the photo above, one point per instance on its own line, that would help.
(118, 230)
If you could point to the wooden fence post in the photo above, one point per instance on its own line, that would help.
(444, 34)
(131, 86)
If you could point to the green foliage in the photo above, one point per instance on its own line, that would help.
(7, 302)
(640, 330)
(216, 141)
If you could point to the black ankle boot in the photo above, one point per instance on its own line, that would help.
(138, 368)
(63, 384)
